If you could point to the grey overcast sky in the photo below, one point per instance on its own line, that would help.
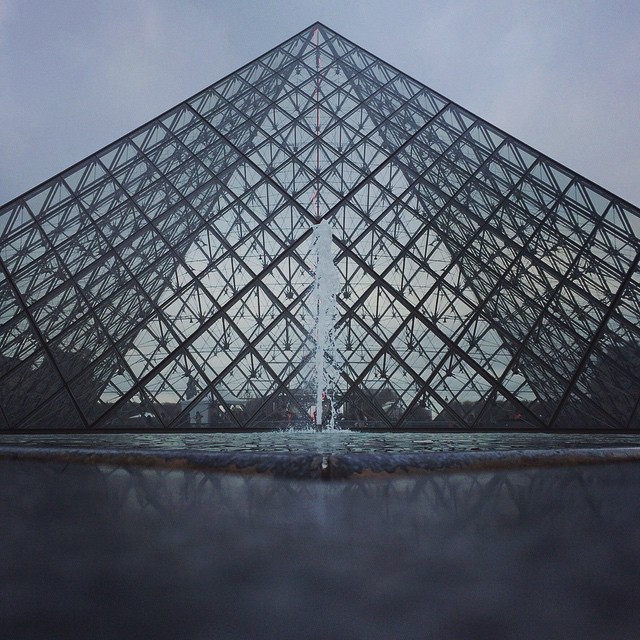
(561, 75)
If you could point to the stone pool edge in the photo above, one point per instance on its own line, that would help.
(318, 466)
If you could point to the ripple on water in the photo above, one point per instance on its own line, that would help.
(326, 442)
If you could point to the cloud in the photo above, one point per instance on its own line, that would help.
(78, 75)
(562, 76)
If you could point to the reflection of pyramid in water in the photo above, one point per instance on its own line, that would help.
(166, 280)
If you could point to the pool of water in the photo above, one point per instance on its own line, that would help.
(327, 442)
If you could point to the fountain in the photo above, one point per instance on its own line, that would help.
(323, 304)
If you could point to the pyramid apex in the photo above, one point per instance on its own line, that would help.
(167, 280)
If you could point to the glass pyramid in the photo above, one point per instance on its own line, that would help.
(168, 281)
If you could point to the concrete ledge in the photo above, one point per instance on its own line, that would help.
(367, 465)
(287, 465)
(343, 466)
(545, 546)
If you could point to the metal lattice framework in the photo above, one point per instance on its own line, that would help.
(166, 280)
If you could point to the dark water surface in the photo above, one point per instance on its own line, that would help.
(328, 442)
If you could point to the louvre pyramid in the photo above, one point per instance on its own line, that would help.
(167, 281)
